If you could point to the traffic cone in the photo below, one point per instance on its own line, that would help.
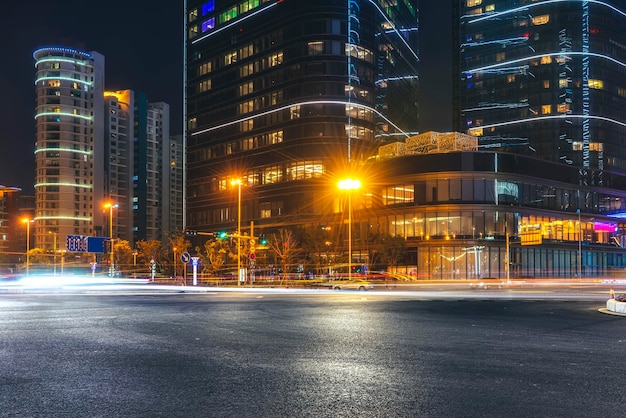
(611, 294)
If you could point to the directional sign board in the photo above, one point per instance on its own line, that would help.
(83, 244)
(185, 257)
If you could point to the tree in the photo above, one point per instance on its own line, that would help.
(319, 248)
(149, 251)
(178, 245)
(214, 255)
(123, 254)
(393, 250)
(284, 247)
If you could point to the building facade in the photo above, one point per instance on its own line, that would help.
(69, 118)
(546, 78)
(284, 95)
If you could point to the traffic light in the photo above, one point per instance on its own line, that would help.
(221, 234)
(262, 239)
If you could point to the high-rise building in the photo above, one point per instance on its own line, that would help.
(138, 167)
(546, 79)
(69, 119)
(285, 95)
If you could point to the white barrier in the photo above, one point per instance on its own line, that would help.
(615, 306)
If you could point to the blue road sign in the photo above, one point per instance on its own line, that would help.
(185, 257)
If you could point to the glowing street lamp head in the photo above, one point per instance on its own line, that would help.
(349, 184)
(110, 205)
(235, 182)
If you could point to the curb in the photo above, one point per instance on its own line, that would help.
(609, 312)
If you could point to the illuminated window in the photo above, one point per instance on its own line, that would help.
(204, 85)
(490, 8)
(546, 109)
(478, 11)
(246, 107)
(596, 146)
(246, 70)
(577, 146)
(228, 15)
(193, 15)
(246, 51)
(304, 170)
(230, 58)
(193, 31)
(475, 131)
(546, 84)
(596, 84)
(398, 194)
(563, 107)
(315, 48)
(246, 125)
(272, 175)
(359, 52)
(546, 59)
(541, 20)
(246, 88)
(276, 97)
(208, 7)
(472, 3)
(275, 137)
(294, 112)
(621, 91)
(204, 68)
(248, 5)
(510, 78)
(500, 56)
(208, 24)
(192, 123)
(563, 83)
(275, 59)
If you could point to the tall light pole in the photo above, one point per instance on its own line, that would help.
(110, 206)
(237, 182)
(27, 221)
(580, 249)
(349, 185)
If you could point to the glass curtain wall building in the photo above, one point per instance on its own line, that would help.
(288, 96)
(542, 83)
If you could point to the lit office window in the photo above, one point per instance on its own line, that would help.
(208, 7)
(541, 20)
(546, 109)
(208, 24)
(596, 84)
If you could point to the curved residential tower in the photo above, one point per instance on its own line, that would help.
(69, 118)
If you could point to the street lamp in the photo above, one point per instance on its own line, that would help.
(237, 182)
(110, 206)
(27, 221)
(349, 185)
(174, 255)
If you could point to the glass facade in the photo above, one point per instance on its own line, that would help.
(284, 94)
(546, 78)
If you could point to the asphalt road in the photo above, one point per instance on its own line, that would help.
(273, 354)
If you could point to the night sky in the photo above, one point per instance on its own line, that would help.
(142, 44)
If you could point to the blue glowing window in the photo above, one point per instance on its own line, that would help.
(208, 24)
(208, 7)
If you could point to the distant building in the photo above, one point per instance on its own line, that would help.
(95, 146)
(9, 218)
(69, 118)
(141, 159)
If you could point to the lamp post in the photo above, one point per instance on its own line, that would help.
(237, 182)
(27, 221)
(110, 206)
(174, 255)
(349, 185)
(580, 250)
